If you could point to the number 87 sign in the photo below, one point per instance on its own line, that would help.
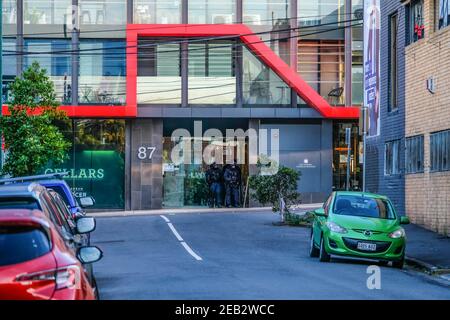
(145, 153)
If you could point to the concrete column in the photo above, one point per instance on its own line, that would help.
(130, 11)
(19, 40)
(75, 56)
(146, 180)
(326, 158)
(348, 54)
(252, 168)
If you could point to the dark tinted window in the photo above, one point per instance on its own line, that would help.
(354, 205)
(22, 243)
(61, 192)
(18, 203)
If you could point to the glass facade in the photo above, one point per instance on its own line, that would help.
(211, 73)
(46, 11)
(212, 11)
(9, 12)
(261, 86)
(321, 64)
(340, 156)
(265, 12)
(103, 12)
(159, 72)
(102, 77)
(96, 164)
(157, 11)
(317, 12)
(52, 55)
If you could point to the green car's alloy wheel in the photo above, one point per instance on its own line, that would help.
(323, 255)
(313, 251)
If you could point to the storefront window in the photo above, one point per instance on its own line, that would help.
(261, 85)
(102, 72)
(46, 11)
(212, 11)
(159, 72)
(157, 11)
(9, 12)
(321, 64)
(112, 12)
(53, 56)
(211, 73)
(96, 163)
(265, 12)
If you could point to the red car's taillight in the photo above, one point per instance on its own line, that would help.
(66, 277)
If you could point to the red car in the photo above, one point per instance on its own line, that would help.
(36, 263)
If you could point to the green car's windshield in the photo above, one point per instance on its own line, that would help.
(363, 206)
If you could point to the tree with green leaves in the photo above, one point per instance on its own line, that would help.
(278, 189)
(32, 139)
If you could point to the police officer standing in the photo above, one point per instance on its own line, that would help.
(214, 180)
(232, 179)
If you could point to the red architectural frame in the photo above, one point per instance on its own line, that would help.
(251, 41)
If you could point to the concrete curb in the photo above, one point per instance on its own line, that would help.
(132, 213)
(136, 213)
(429, 268)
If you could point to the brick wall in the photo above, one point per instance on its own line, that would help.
(392, 123)
(428, 194)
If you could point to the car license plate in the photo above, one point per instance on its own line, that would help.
(367, 246)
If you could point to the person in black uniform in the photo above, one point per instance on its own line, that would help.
(214, 180)
(232, 180)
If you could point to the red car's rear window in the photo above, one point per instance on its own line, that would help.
(22, 243)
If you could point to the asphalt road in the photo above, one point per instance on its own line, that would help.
(233, 256)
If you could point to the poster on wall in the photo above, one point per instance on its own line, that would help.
(372, 19)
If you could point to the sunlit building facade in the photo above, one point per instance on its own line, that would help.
(130, 73)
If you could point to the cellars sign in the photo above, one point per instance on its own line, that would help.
(96, 174)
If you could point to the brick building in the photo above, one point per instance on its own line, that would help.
(410, 160)
(427, 119)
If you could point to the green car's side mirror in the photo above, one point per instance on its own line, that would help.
(404, 220)
(320, 212)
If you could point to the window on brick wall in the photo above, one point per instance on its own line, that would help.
(416, 22)
(393, 71)
(414, 154)
(443, 13)
(440, 151)
(392, 158)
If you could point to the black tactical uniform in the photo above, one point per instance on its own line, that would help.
(232, 179)
(214, 180)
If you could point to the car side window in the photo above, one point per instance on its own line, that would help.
(62, 222)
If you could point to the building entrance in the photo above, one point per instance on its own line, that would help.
(186, 160)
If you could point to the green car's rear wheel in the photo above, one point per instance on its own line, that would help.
(313, 251)
(323, 254)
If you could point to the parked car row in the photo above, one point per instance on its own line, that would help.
(45, 250)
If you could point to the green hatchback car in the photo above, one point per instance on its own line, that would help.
(361, 225)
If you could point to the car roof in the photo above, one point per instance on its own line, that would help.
(52, 182)
(25, 189)
(361, 194)
(24, 215)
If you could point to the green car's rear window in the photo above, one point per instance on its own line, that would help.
(360, 206)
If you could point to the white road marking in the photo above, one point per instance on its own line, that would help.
(179, 238)
(175, 232)
(191, 252)
(165, 219)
